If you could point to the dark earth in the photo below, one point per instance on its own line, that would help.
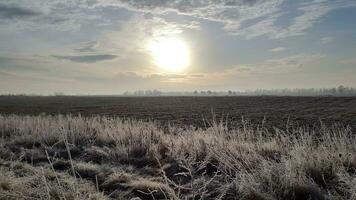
(195, 111)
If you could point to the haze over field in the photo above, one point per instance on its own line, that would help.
(112, 46)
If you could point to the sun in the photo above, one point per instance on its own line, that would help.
(169, 53)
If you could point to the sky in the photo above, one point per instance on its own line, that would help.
(113, 46)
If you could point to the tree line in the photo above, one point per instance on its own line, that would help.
(336, 91)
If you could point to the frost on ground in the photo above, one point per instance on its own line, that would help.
(74, 157)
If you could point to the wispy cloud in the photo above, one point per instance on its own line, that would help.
(278, 49)
(11, 12)
(351, 61)
(287, 64)
(20, 15)
(87, 58)
(237, 15)
(21, 64)
(232, 14)
(244, 18)
(326, 40)
(88, 47)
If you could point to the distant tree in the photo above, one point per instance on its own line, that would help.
(156, 92)
(333, 91)
(148, 93)
(58, 94)
(139, 93)
(341, 89)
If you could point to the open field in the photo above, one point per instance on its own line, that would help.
(66, 157)
(161, 148)
(187, 111)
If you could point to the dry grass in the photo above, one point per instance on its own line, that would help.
(67, 157)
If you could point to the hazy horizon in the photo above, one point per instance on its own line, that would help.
(113, 46)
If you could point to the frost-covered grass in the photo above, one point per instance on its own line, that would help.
(72, 157)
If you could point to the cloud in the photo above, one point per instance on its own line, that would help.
(287, 64)
(88, 47)
(135, 77)
(7, 75)
(351, 61)
(176, 76)
(197, 75)
(246, 18)
(326, 40)
(278, 49)
(18, 77)
(11, 12)
(295, 61)
(19, 15)
(310, 13)
(157, 26)
(19, 63)
(71, 15)
(231, 13)
(87, 58)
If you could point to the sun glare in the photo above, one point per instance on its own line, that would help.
(170, 54)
